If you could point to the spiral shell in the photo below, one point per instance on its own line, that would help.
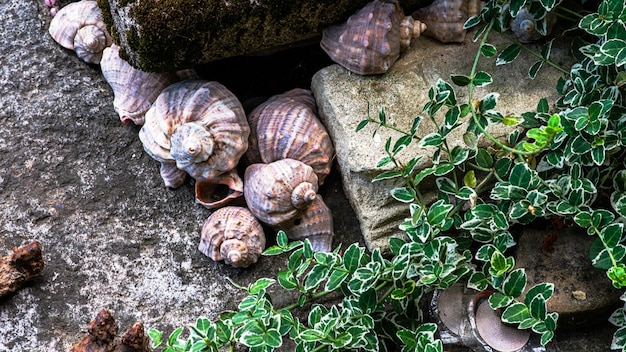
(444, 19)
(286, 127)
(79, 27)
(279, 191)
(200, 126)
(232, 234)
(172, 176)
(371, 40)
(524, 26)
(219, 192)
(315, 223)
(134, 90)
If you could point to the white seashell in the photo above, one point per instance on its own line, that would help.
(200, 126)
(232, 234)
(279, 191)
(134, 90)
(79, 26)
(172, 176)
(286, 126)
(371, 40)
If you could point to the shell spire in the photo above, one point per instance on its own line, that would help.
(444, 19)
(232, 234)
(198, 125)
(315, 223)
(272, 189)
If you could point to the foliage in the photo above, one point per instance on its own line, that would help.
(567, 163)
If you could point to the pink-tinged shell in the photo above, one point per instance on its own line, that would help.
(172, 176)
(222, 191)
(314, 223)
(286, 127)
(134, 90)
(444, 19)
(200, 126)
(79, 26)
(371, 40)
(279, 191)
(232, 234)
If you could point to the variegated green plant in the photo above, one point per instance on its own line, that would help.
(558, 166)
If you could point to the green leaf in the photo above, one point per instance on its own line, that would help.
(272, 338)
(318, 274)
(459, 155)
(352, 257)
(534, 69)
(431, 140)
(583, 219)
(386, 175)
(544, 289)
(403, 194)
(385, 160)
(521, 176)
(336, 278)
(260, 284)
(612, 47)
(438, 212)
(508, 54)
(156, 336)
(471, 22)
(537, 307)
(443, 169)
(515, 283)
(499, 300)
(460, 81)
(286, 280)
(488, 50)
(612, 234)
(362, 125)
(502, 167)
(515, 313)
(483, 158)
(481, 79)
(368, 300)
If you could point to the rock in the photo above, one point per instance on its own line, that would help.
(164, 36)
(344, 100)
(583, 295)
(76, 179)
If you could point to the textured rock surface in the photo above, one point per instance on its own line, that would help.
(163, 35)
(77, 180)
(343, 99)
(583, 295)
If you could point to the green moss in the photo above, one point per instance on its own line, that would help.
(173, 34)
(108, 19)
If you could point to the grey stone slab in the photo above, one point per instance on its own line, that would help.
(344, 98)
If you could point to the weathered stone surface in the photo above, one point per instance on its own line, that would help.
(343, 100)
(78, 181)
(165, 35)
(583, 295)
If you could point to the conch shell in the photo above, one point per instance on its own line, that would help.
(279, 191)
(232, 234)
(79, 26)
(524, 26)
(315, 223)
(444, 19)
(286, 127)
(371, 40)
(134, 90)
(199, 126)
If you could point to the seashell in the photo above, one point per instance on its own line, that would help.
(371, 40)
(444, 19)
(279, 191)
(315, 223)
(172, 176)
(232, 234)
(134, 90)
(286, 126)
(79, 27)
(524, 26)
(219, 192)
(200, 126)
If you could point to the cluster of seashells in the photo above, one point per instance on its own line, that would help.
(199, 129)
(373, 38)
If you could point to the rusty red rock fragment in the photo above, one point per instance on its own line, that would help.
(102, 337)
(25, 263)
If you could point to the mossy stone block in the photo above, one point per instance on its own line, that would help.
(163, 35)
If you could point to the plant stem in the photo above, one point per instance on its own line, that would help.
(308, 300)
(535, 54)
